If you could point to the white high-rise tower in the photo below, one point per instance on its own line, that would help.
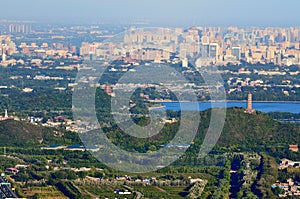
(6, 114)
(3, 56)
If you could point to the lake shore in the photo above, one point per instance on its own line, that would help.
(263, 106)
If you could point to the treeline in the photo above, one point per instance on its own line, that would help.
(268, 175)
(69, 189)
(223, 186)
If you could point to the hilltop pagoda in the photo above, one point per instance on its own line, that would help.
(249, 108)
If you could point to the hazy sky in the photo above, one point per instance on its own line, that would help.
(160, 12)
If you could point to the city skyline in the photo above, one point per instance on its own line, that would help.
(170, 13)
(149, 99)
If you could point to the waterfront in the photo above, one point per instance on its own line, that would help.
(266, 107)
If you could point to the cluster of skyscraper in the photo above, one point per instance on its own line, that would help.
(214, 45)
(20, 28)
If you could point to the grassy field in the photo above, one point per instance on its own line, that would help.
(94, 190)
(43, 192)
(162, 191)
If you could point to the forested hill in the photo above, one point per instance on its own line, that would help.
(240, 129)
(256, 129)
(20, 133)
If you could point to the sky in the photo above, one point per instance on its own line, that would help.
(158, 12)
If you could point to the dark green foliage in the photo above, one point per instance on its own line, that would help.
(69, 189)
(268, 174)
(21, 134)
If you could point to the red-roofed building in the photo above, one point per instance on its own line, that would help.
(12, 170)
(130, 60)
(294, 148)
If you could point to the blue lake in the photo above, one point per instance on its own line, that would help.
(266, 107)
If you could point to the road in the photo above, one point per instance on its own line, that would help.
(5, 190)
(139, 195)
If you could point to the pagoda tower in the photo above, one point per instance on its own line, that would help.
(250, 109)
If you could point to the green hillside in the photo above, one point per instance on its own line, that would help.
(250, 132)
(19, 133)
(256, 129)
(242, 129)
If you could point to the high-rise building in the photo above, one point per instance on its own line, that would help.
(3, 56)
(213, 50)
(205, 40)
(236, 52)
(11, 28)
(204, 50)
(20, 28)
(204, 47)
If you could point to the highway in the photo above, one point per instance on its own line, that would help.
(5, 190)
